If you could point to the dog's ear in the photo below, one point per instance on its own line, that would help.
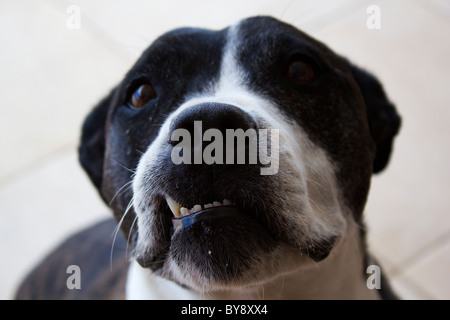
(91, 151)
(384, 121)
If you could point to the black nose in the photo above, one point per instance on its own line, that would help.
(213, 116)
(226, 120)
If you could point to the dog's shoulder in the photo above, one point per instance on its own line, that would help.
(84, 266)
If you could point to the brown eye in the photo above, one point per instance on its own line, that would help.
(142, 95)
(300, 71)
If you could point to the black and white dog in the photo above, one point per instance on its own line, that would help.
(286, 226)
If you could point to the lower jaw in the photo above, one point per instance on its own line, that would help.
(222, 249)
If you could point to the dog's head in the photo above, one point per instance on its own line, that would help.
(160, 150)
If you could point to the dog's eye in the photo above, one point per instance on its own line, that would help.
(143, 94)
(300, 71)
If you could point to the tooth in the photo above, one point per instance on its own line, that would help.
(196, 208)
(174, 206)
(179, 211)
(184, 211)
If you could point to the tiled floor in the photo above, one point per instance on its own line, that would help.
(52, 74)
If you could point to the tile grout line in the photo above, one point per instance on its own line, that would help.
(36, 163)
(422, 253)
(397, 271)
(423, 292)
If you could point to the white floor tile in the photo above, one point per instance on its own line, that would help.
(51, 77)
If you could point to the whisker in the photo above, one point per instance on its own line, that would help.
(129, 235)
(124, 167)
(317, 183)
(116, 230)
(118, 191)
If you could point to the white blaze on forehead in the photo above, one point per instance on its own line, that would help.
(308, 161)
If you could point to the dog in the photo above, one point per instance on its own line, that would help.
(206, 228)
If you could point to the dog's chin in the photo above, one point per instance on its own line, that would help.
(220, 251)
(218, 248)
(222, 248)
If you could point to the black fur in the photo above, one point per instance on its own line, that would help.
(384, 121)
(91, 151)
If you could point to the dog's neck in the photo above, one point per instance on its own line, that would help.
(339, 276)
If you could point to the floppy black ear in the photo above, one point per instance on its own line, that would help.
(91, 151)
(384, 121)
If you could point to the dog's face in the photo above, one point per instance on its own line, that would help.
(325, 127)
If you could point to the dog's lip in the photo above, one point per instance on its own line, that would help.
(184, 218)
(206, 214)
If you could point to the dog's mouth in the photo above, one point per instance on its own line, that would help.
(219, 239)
(184, 217)
(221, 243)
